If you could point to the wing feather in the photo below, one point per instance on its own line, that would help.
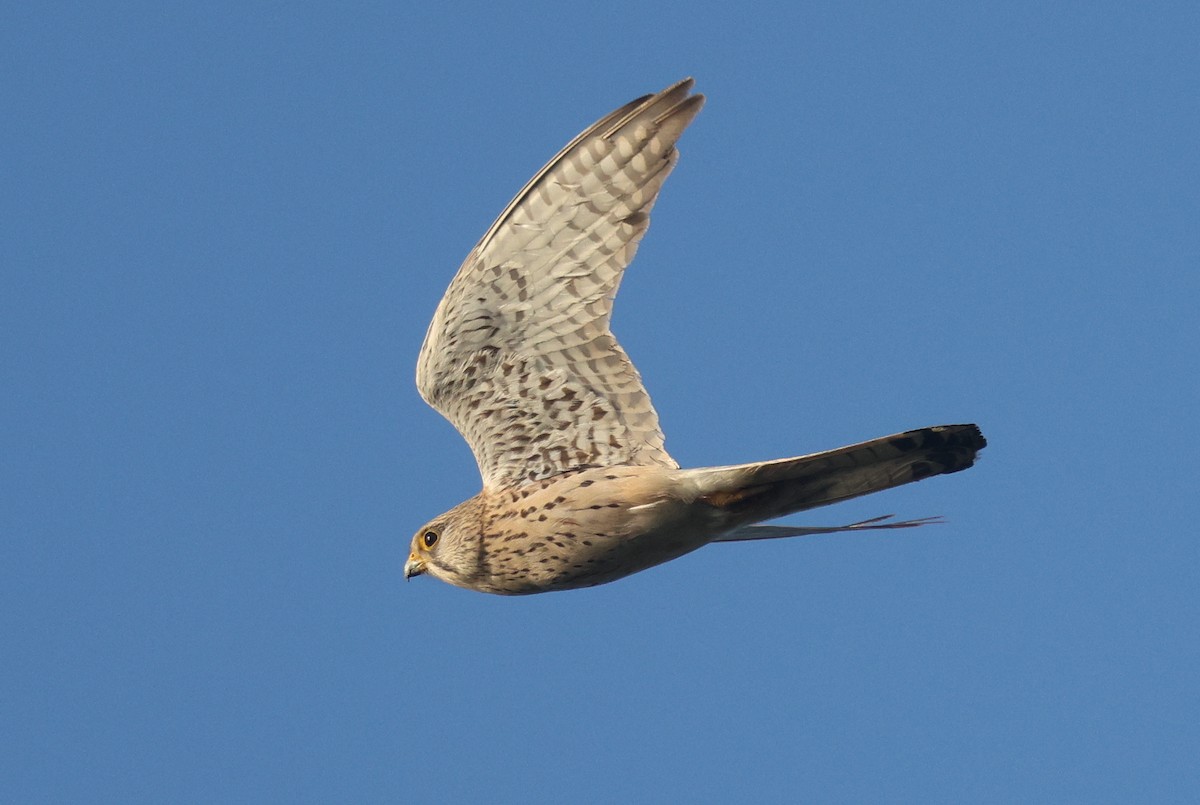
(519, 356)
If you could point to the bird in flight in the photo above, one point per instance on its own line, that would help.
(578, 488)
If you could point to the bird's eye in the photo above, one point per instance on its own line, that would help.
(430, 538)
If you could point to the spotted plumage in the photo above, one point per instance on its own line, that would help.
(578, 488)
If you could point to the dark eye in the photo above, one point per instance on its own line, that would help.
(430, 538)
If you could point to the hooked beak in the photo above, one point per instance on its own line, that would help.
(413, 567)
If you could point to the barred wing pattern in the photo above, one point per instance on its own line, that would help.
(519, 356)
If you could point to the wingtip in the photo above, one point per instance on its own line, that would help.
(679, 93)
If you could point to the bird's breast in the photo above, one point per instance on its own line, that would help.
(588, 527)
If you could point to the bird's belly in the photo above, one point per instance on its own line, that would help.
(569, 546)
(571, 562)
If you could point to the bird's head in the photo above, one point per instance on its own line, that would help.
(449, 547)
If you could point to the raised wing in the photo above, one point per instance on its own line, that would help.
(519, 355)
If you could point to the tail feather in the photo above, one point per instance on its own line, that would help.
(751, 493)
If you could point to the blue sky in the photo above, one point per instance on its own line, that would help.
(225, 228)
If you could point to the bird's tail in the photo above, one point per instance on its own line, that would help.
(751, 493)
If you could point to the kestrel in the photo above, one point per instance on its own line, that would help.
(578, 488)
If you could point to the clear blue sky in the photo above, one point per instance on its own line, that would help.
(225, 228)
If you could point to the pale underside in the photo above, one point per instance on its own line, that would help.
(519, 356)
